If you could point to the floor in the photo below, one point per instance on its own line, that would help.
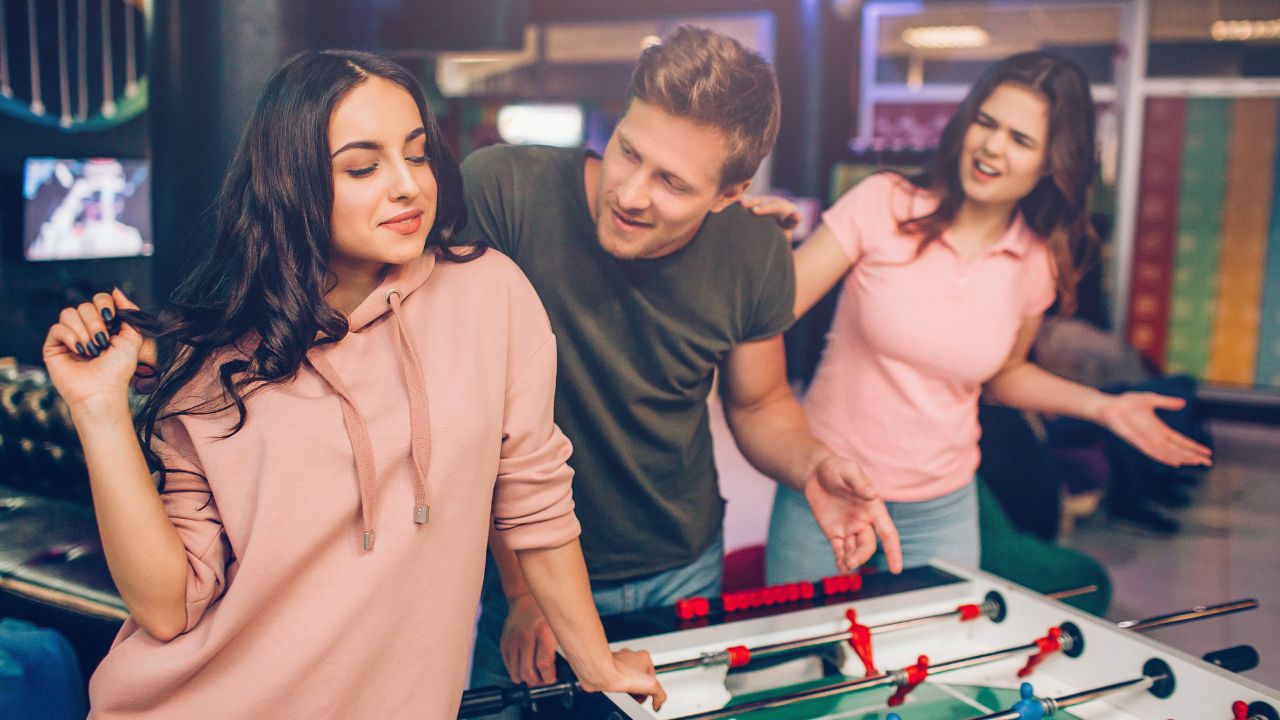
(1228, 549)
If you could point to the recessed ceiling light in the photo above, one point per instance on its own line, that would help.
(937, 37)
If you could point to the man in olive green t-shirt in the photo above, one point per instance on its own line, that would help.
(654, 278)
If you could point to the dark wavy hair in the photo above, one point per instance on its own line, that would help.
(1057, 208)
(259, 288)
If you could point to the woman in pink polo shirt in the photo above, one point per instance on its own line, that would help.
(946, 279)
(348, 402)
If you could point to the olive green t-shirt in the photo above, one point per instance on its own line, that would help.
(639, 342)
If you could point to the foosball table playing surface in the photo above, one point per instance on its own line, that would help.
(932, 643)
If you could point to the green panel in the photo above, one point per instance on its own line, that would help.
(930, 701)
(1195, 268)
(1269, 328)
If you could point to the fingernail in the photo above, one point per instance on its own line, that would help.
(107, 315)
(94, 351)
(101, 340)
(80, 349)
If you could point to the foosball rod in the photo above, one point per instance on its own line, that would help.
(892, 677)
(897, 677)
(1199, 612)
(1048, 707)
(989, 608)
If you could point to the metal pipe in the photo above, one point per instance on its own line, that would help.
(1199, 612)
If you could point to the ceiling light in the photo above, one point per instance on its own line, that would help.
(1238, 30)
(939, 37)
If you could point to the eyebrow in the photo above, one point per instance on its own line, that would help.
(1012, 131)
(680, 181)
(372, 145)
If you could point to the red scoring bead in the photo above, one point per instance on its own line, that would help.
(806, 590)
(684, 609)
(738, 656)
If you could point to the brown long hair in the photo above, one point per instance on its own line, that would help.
(1056, 209)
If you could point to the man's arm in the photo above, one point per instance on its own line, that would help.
(770, 428)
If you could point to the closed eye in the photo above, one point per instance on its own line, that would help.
(362, 172)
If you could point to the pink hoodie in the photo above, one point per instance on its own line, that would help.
(316, 589)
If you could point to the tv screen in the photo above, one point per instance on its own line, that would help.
(86, 208)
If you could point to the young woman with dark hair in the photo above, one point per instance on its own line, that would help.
(946, 278)
(347, 402)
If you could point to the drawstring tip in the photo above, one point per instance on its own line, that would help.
(420, 513)
(368, 540)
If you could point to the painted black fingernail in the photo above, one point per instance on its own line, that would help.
(94, 351)
(107, 314)
(80, 349)
(101, 340)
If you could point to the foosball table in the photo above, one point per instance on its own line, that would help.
(934, 642)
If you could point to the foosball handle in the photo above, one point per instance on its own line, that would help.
(1046, 646)
(913, 676)
(860, 641)
(1029, 707)
(1236, 659)
(1240, 710)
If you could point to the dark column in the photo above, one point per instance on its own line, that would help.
(209, 61)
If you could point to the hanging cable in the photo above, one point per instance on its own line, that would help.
(37, 105)
(64, 82)
(108, 91)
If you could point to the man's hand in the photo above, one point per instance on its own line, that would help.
(851, 514)
(528, 646)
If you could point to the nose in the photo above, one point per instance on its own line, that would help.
(632, 193)
(403, 185)
(994, 142)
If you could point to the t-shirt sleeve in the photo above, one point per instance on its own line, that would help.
(487, 182)
(775, 304)
(853, 218)
(533, 497)
(191, 508)
(1043, 287)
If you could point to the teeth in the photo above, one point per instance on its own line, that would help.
(985, 167)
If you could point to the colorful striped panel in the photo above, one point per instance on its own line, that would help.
(1195, 273)
(1156, 226)
(1269, 329)
(1234, 353)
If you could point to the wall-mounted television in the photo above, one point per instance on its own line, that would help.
(84, 208)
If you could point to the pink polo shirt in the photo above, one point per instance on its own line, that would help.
(914, 339)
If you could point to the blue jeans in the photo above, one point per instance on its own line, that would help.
(699, 578)
(945, 528)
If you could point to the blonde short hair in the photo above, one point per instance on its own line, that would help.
(714, 80)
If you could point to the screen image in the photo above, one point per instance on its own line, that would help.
(86, 208)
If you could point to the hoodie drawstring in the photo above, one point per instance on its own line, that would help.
(357, 435)
(358, 431)
(419, 410)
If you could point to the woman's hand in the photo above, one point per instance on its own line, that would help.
(633, 674)
(84, 361)
(1132, 417)
(783, 211)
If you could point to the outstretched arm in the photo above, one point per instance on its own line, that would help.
(1131, 416)
(770, 428)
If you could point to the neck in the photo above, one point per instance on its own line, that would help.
(987, 221)
(591, 183)
(354, 283)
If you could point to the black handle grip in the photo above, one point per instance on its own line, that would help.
(1237, 659)
(492, 699)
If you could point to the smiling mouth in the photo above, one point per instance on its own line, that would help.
(985, 169)
(406, 223)
(627, 222)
